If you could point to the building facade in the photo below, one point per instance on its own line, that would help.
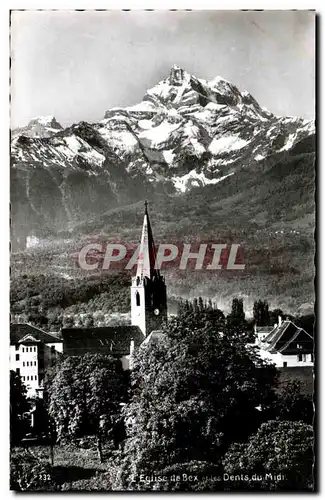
(32, 351)
(285, 344)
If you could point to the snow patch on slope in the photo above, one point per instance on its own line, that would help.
(227, 143)
(169, 156)
(159, 134)
(194, 178)
(77, 146)
(121, 139)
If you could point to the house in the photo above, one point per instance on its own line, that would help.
(32, 351)
(148, 311)
(285, 344)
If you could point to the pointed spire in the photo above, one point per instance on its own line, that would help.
(147, 253)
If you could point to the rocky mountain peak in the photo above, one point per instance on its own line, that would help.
(39, 127)
(178, 75)
(45, 121)
(186, 130)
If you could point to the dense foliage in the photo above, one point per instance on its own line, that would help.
(199, 408)
(29, 473)
(52, 302)
(83, 392)
(190, 390)
(280, 454)
(18, 406)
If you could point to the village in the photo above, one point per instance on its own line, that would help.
(33, 350)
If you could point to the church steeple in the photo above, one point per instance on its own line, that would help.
(148, 290)
(147, 253)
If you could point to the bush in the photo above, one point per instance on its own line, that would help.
(99, 482)
(30, 473)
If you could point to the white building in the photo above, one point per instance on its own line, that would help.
(32, 351)
(285, 344)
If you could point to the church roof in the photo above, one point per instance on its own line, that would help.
(24, 333)
(110, 339)
(147, 252)
(288, 338)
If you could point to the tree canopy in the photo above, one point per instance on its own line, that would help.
(84, 390)
(278, 448)
(18, 406)
(190, 390)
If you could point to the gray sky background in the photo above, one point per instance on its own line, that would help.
(76, 65)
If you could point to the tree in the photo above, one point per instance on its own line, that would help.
(18, 406)
(88, 320)
(68, 322)
(237, 314)
(189, 391)
(261, 313)
(201, 304)
(291, 404)
(188, 306)
(307, 322)
(274, 315)
(279, 448)
(85, 392)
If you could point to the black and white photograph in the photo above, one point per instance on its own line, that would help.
(162, 251)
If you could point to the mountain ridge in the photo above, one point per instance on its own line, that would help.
(185, 133)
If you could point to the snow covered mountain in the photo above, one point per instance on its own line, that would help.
(186, 132)
(41, 126)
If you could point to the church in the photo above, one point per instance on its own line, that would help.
(148, 312)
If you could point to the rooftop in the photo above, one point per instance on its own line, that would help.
(115, 339)
(24, 332)
(284, 337)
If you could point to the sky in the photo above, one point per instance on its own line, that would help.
(76, 65)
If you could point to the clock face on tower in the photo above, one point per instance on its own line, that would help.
(156, 312)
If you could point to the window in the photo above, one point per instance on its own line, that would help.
(285, 364)
(31, 349)
(35, 363)
(23, 363)
(35, 349)
(31, 377)
(17, 357)
(27, 377)
(137, 298)
(23, 349)
(299, 357)
(35, 377)
(23, 378)
(18, 371)
(27, 363)
(17, 347)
